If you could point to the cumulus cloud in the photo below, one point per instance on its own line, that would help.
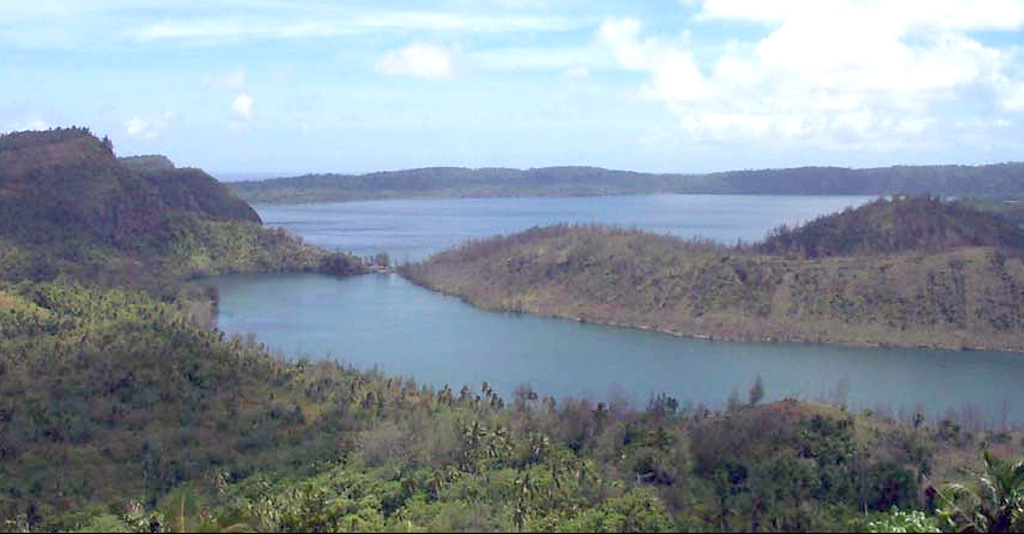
(838, 73)
(418, 59)
(139, 127)
(242, 106)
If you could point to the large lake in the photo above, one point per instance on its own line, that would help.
(387, 322)
(410, 230)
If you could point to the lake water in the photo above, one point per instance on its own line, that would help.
(410, 230)
(385, 321)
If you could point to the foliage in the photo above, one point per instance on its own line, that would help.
(897, 520)
(111, 396)
(120, 410)
(952, 180)
(69, 208)
(902, 224)
(994, 504)
(963, 288)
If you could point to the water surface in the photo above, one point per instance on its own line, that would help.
(385, 321)
(410, 230)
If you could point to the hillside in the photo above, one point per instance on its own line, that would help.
(999, 180)
(914, 224)
(69, 207)
(190, 189)
(955, 280)
(121, 412)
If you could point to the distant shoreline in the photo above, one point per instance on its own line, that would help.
(1005, 180)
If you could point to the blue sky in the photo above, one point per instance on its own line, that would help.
(660, 85)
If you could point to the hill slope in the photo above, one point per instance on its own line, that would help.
(946, 291)
(914, 224)
(119, 413)
(955, 180)
(69, 206)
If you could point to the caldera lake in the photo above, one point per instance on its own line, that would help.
(387, 323)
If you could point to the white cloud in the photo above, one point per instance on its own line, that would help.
(147, 129)
(835, 73)
(242, 106)
(418, 59)
(674, 75)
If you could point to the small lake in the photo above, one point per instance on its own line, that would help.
(387, 322)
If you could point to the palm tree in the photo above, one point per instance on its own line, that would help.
(996, 505)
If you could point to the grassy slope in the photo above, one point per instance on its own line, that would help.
(962, 297)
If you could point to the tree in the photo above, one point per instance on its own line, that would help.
(382, 259)
(756, 391)
(996, 504)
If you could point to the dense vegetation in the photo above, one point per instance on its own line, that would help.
(118, 413)
(908, 271)
(912, 224)
(1001, 180)
(121, 411)
(69, 208)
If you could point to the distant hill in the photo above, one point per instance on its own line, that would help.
(951, 180)
(908, 272)
(909, 224)
(69, 206)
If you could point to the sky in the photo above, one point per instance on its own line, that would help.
(265, 87)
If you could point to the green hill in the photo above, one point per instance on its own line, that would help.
(121, 412)
(69, 207)
(999, 180)
(914, 224)
(909, 272)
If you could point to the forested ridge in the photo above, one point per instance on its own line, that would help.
(120, 410)
(69, 208)
(1004, 180)
(910, 271)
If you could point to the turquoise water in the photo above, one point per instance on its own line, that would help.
(387, 322)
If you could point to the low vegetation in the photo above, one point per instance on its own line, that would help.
(908, 271)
